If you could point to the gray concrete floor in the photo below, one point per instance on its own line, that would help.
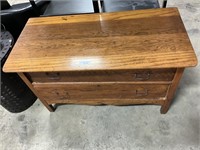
(112, 127)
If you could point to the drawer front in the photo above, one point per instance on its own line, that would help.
(98, 91)
(105, 76)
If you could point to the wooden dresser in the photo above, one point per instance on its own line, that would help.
(121, 58)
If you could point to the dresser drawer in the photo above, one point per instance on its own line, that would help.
(105, 76)
(100, 91)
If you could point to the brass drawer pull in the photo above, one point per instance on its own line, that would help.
(142, 76)
(53, 75)
(143, 92)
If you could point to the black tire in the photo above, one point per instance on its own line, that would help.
(15, 95)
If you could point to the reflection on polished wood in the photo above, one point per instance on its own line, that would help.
(124, 40)
(121, 58)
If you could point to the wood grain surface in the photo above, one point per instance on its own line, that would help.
(154, 38)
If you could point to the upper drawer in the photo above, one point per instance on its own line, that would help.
(106, 76)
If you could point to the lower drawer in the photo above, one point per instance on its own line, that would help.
(99, 91)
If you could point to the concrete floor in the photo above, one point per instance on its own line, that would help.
(111, 127)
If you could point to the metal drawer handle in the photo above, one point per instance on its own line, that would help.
(143, 92)
(53, 75)
(142, 76)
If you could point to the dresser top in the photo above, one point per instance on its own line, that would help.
(153, 38)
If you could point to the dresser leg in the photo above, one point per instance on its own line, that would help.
(29, 84)
(164, 109)
(51, 108)
(171, 91)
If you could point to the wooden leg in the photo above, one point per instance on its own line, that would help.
(29, 84)
(164, 108)
(164, 4)
(51, 108)
(171, 91)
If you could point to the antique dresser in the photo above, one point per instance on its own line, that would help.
(120, 58)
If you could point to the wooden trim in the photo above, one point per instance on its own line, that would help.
(28, 83)
(117, 102)
(172, 90)
(113, 82)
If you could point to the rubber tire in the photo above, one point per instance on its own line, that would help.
(15, 95)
